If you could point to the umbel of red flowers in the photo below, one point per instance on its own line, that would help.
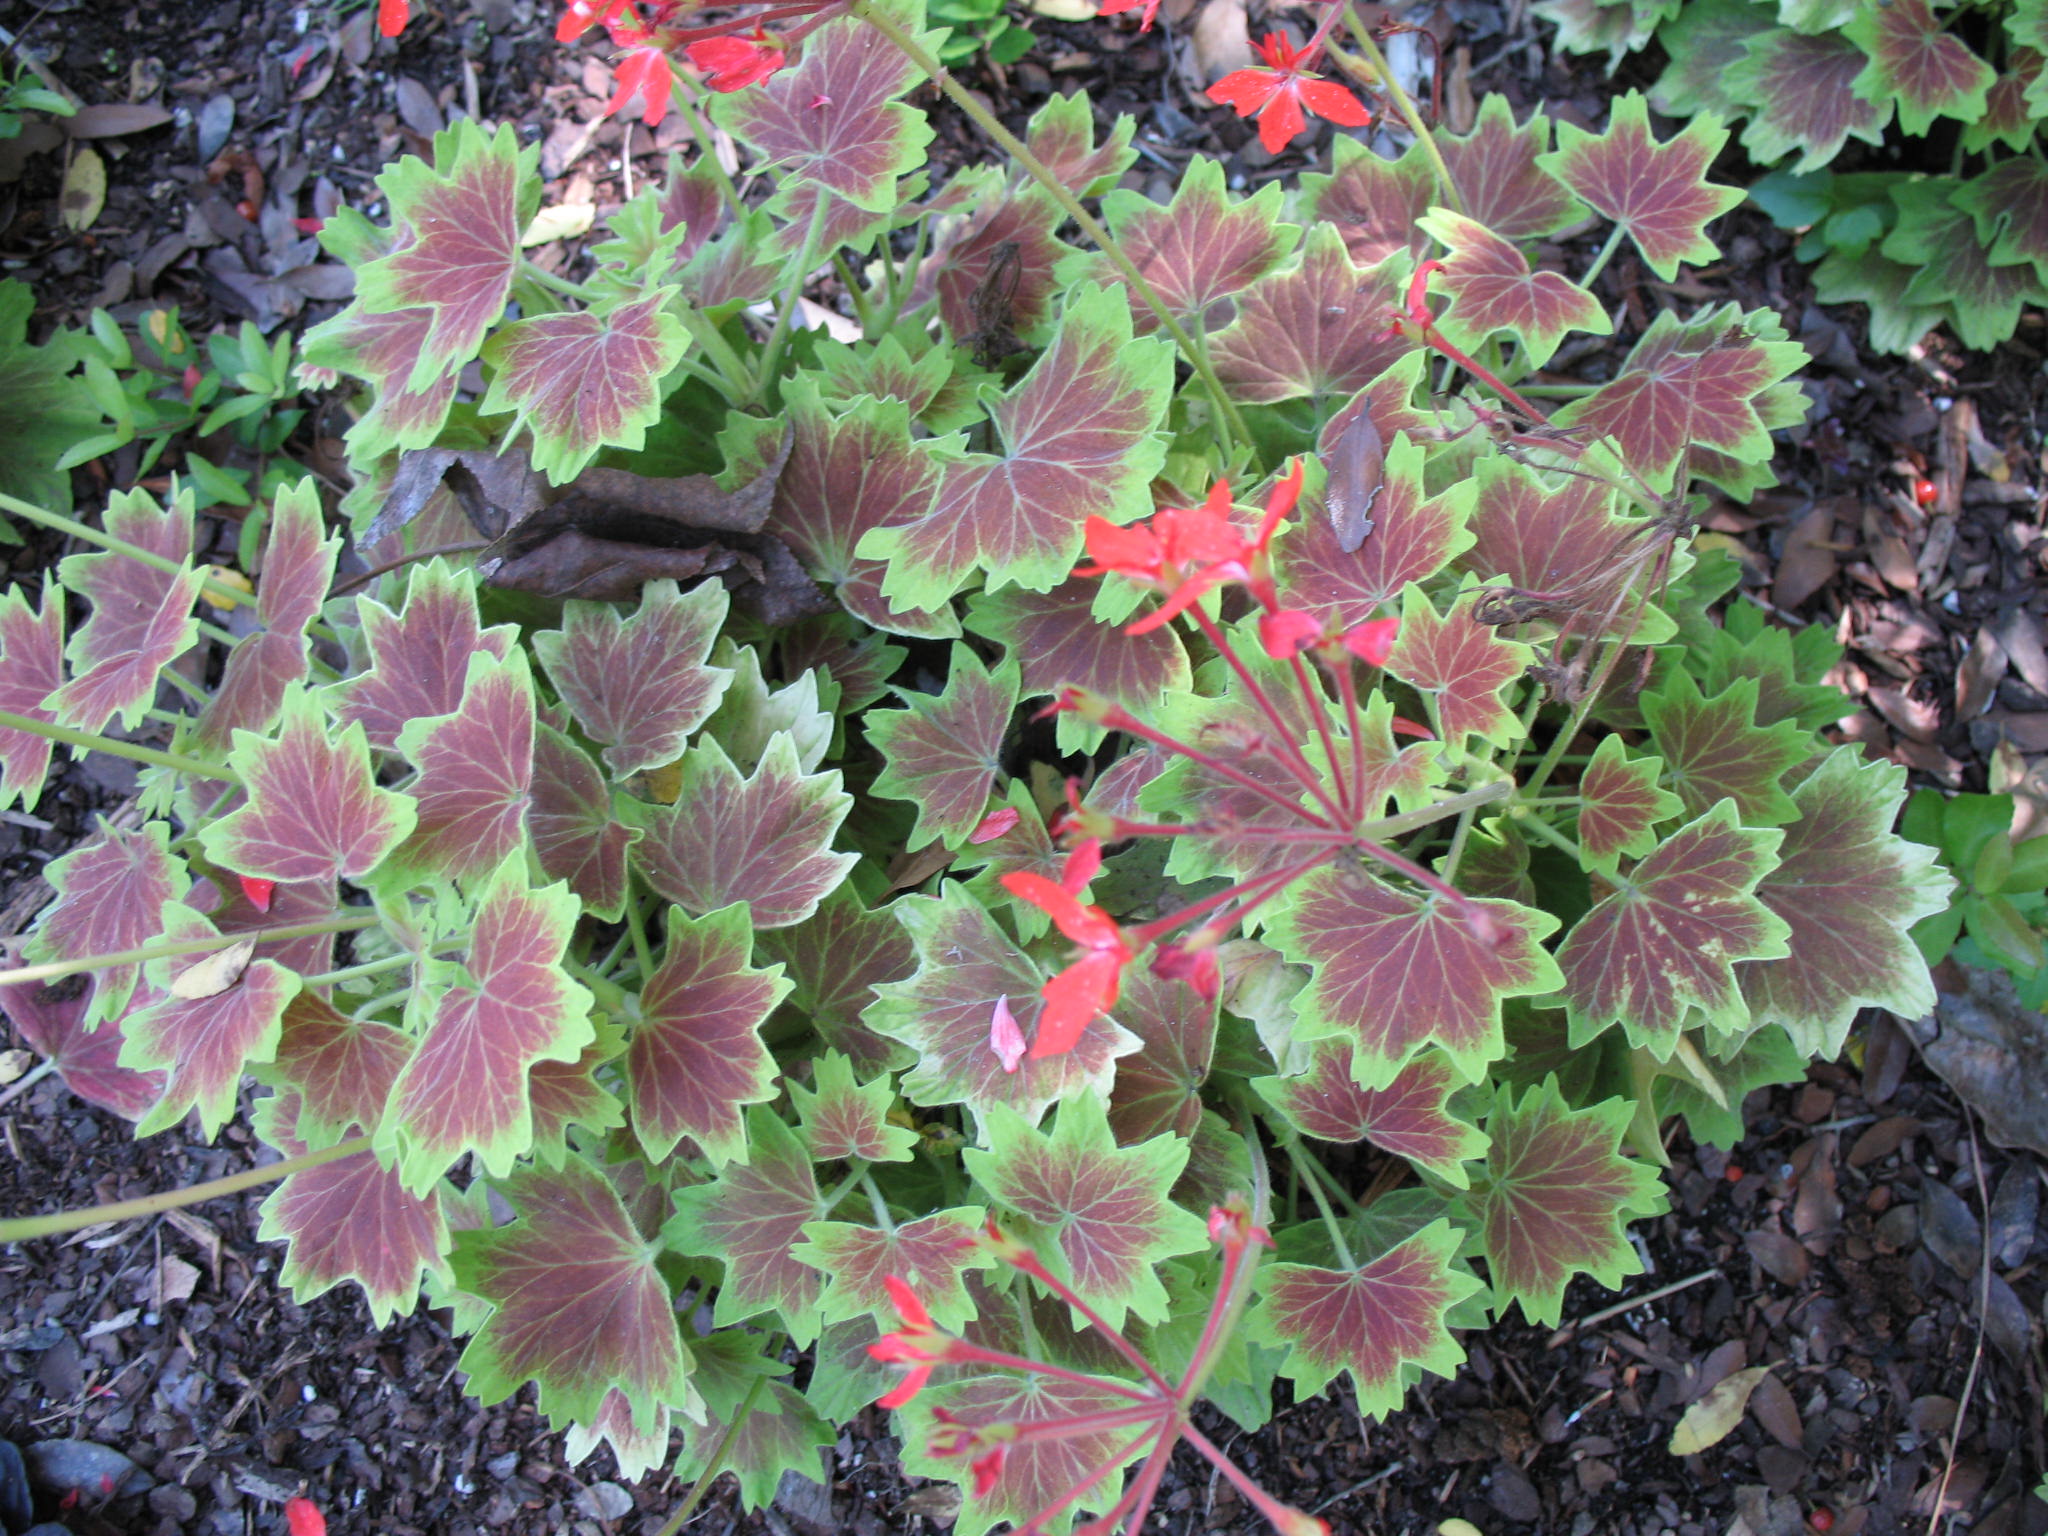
(1185, 553)
(1155, 1416)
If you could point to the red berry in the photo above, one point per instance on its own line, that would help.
(1733, 1173)
(1925, 491)
(1822, 1519)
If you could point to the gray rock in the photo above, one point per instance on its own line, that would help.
(82, 1467)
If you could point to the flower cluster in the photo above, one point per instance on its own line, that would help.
(1159, 1411)
(1283, 91)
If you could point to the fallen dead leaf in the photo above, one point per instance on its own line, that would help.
(85, 191)
(110, 120)
(1772, 1406)
(214, 974)
(1713, 1418)
(1222, 42)
(1977, 679)
(564, 221)
(1808, 562)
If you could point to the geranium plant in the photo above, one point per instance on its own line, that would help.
(1165, 697)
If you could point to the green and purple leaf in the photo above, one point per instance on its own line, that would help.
(31, 668)
(340, 1068)
(475, 775)
(1498, 179)
(930, 1254)
(1318, 328)
(1492, 289)
(1713, 748)
(457, 248)
(1391, 971)
(944, 752)
(110, 897)
(2010, 205)
(418, 659)
(1080, 439)
(382, 348)
(1370, 201)
(1376, 1320)
(752, 1217)
(1555, 1197)
(1657, 192)
(1158, 1087)
(141, 617)
(1665, 943)
(835, 958)
(1062, 136)
(638, 684)
(1413, 536)
(697, 1056)
(1803, 87)
(1199, 249)
(1937, 248)
(847, 1120)
(1850, 891)
(1410, 1117)
(1915, 62)
(482, 1029)
(761, 1436)
(765, 839)
(1098, 1214)
(1460, 667)
(314, 810)
(944, 1012)
(1010, 247)
(1621, 804)
(567, 1094)
(1560, 545)
(51, 1020)
(569, 817)
(577, 1304)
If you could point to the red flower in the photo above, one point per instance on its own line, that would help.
(733, 63)
(1089, 985)
(1282, 93)
(258, 890)
(1373, 641)
(1196, 967)
(645, 72)
(301, 1514)
(1183, 553)
(1288, 632)
(1118, 7)
(918, 1344)
(392, 15)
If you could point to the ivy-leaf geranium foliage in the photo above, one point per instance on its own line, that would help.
(755, 963)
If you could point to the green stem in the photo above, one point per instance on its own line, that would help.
(686, 103)
(966, 101)
(883, 1220)
(1457, 853)
(714, 1464)
(738, 377)
(1388, 828)
(902, 277)
(87, 741)
(213, 591)
(1315, 1189)
(1402, 103)
(1606, 253)
(533, 271)
(357, 972)
(856, 295)
(636, 929)
(22, 1228)
(166, 949)
(1551, 835)
(778, 338)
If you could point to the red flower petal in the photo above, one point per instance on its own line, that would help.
(392, 15)
(1074, 997)
(1288, 632)
(1373, 641)
(1326, 98)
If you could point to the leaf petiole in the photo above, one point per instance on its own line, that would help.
(170, 948)
(88, 742)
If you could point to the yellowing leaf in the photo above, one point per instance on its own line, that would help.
(1710, 1420)
(213, 975)
(1458, 1528)
(85, 191)
(219, 576)
(564, 221)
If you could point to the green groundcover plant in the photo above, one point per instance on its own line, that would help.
(1959, 232)
(1149, 824)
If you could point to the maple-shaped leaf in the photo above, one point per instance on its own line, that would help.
(482, 1028)
(1062, 136)
(1460, 666)
(418, 659)
(1410, 1117)
(2010, 104)
(1381, 1320)
(752, 1216)
(1554, 1199)
(1370, 201)
(752, 712)
(1057, 642)
(1099, 1214)
(577, 1303)
(1158, 1087)
(234, 910)
(1850, 891)
(110, 897)
(898, 367)
(381, 349)
(835, 958)
(760, 1431)
(1803, 87)
(475, 773)
(1747, 644)
(697, 1055)
(341, 1069)
(929, 1254)
(1392, 971)
(1558, 543)
(966, 966)
(1202, 247)
(31, 668)
(583, 380)
(1080, 439)
(638, 684)
(1657, 192)
(944, 752)
(765, 839)
(1621, 804)
(2009, 203)
(141, 616)
(1011, 247)
(1704, 41)
(51, 1019)
(298, 567)
(1036, 1472)
(1703, 382)
(456, 248)
(833, 121)
(845, 475)
(1317, 328)
(351, 1219)
(202, 1042)
(567, 1094)
(1619, 27)
(314, 811)
(1767, 1059)
(1915, 62)
(1665, 942)
(1498, 180)
(1713, 748)
(569, 817)
(1492, 289)
(635, 1452)
(845, 1119)
(1413, 536)
(1937, 247)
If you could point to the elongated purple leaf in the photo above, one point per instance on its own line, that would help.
(418, 659)
(31, 668)
(752, 1216)
(110, 897)
(569, 817)
(475, 774)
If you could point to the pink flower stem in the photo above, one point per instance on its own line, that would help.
(1150, 1413)
(1412, 870)
(688, 35)
(1432, 337)
(1319, 711)
(1136, 1503)
(1282, 1517)
(1347, 685)
(1036, 1525)
(964, 1353)
(1128, 723)
(1283, 732)
(1123, 1346)
(1263, 885)
(1233, 1263)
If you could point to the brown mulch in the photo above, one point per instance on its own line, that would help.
(1861, 1242)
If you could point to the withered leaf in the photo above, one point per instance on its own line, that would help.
(1357, 466)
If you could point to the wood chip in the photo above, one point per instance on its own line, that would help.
(1808, 562)
(1779, 1256)
(1772, 1406)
